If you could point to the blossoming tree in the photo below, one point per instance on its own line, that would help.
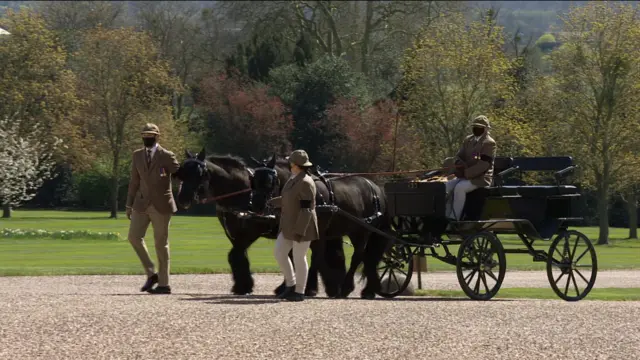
(25, 163)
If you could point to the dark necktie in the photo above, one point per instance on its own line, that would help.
(148, 156)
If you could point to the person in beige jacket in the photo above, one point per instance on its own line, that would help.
(475, 161)
(298, 225)
(150, 200)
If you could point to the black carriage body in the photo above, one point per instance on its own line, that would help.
(416, 199)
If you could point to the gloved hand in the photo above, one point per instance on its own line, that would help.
(460, 173)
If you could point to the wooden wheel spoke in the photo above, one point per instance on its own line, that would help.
(484, 281)
(566, 288)
(573, 279)
(582, 276)
(555, 249)
(492, 275)
(558, 278)
(575, 248)
(395, 278)
(476, 289)
(384, 272)
(468, 278)
(581, 255)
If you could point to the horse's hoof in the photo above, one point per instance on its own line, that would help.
(367, 295)
(241, 291)
(310, 293)
(346, 292)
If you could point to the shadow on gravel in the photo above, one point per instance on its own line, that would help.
(437, 299)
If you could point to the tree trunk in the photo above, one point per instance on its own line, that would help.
(6, 211)
(115, 182)
(632, 209)
(603, 215)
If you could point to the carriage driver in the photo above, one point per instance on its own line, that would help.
(475, 161)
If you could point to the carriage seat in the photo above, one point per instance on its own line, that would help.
(545, 190)
(560, 165)
(502, 166)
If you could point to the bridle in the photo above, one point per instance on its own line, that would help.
(275, 186)
(204, 178)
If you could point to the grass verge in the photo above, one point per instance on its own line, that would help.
(84, 243)
(606, 294)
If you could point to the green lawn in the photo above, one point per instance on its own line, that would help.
(606, 294)
(199, 245)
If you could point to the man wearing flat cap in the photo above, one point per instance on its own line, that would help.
(474, 166)
(150, 200)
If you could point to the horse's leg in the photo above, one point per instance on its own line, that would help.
(334, 266)
(359, 242)
(373, 255)
(240, 269)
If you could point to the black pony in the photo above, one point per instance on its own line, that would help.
(356, 195)
(227, 179)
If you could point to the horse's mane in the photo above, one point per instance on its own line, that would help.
(231, 164)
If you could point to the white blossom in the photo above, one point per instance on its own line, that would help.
(26, 160)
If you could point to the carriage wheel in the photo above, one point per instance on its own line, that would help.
(481, 266)
(572, 257)
(397, 265)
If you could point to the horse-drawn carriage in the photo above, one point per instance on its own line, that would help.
(532, 212)
(405, 220)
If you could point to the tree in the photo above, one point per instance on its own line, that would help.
(597, 90)
(35, 86)
(363, 134)
(308, 92)
(124, 84)
(454, 72)
(25, 162)
(71, 18)
(244, 118)
(177, 32)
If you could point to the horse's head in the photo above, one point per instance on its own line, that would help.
(194, 178)
(266, 182)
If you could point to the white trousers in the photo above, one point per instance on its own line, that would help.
(460, 188)
(281, 252)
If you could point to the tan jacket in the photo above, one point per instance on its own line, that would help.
(152, 184)
(298, 220)
(478, 159)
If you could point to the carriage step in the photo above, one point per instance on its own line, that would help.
(540, 256)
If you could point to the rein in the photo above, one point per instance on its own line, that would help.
(343, 175)
(216, 198)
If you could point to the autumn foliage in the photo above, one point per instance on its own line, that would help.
(245, 119)
(361, 134)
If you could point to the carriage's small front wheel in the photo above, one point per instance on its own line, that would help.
(481, 265)
(571, 261)
(395, 270)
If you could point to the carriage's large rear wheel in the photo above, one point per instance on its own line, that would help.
(481, 266)
(397, 266)
(572, 260)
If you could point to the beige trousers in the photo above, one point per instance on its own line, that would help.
(138, 229)
(281, 252)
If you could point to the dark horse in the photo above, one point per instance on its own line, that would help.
(227, 179)
(357, 196)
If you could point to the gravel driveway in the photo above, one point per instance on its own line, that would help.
(105, 317)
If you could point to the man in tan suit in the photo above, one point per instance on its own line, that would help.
(298, 225)
(475, 159)
(150, 200)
